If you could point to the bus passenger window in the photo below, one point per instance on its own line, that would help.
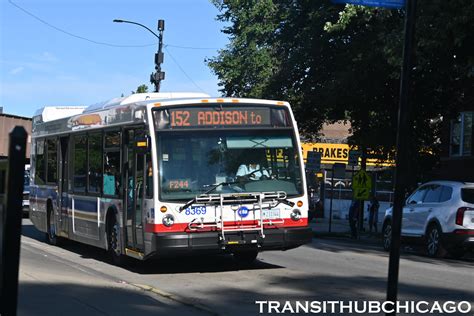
(149, 177)
(80, 163)
(112, 139)
(111, 185)
(40, 175)
(95, 163)
(52, 163)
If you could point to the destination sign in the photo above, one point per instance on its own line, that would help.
(199, 117)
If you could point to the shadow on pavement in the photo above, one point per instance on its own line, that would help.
(324, 288)
(28, 230)
(74, 299)
(192, 264)
(164, 265)
(409, 251)
(223, 263)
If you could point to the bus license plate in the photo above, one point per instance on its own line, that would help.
(271, 214)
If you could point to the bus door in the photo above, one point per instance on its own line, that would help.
(63, 184)
(134, 189)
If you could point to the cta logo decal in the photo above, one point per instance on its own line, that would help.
(243, 211)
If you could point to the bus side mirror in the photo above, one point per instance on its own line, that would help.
(141, 144)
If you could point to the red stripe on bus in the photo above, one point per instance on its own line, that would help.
(183, 227)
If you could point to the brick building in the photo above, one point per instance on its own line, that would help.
(7, 123)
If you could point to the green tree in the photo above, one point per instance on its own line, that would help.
(248, 62)
(141, 89)
(442, 74)
(336, 62)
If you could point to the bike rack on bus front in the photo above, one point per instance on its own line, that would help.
(260, 201)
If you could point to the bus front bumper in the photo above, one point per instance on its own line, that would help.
(275, 239)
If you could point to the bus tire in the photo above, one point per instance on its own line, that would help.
(51, 236)
(113, 242)
(245, 258)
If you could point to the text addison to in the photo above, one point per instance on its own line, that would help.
(209, 118)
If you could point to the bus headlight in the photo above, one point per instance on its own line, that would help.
(296, 215)
(168, 220)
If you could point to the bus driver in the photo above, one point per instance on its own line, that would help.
(253, 171)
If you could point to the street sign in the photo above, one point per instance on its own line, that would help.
(361, 185)
(313, 161)
(393, 4)
(361, 194)
(354, 156)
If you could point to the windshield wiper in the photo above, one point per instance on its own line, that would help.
(193, 200)
(287, 202)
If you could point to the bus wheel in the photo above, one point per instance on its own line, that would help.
(51, 236)
(245, 258)
(113, 239)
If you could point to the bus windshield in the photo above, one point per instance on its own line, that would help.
(193, 163)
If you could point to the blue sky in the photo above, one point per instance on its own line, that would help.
(41, 66)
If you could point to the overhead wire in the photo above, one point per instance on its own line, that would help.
(118, 45)
(182, 70)
(72, 34)
(99, 42)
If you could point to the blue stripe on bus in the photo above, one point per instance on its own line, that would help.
(79, 204)
(43, 193)
(84, 205)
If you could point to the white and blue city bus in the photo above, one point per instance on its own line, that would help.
(163, 174)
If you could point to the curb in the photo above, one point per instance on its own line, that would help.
(174, 298)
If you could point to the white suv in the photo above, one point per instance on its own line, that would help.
(440, 212)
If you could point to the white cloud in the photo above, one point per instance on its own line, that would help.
(26, 64)
(16, 70)
(46, 57)
(42, 62)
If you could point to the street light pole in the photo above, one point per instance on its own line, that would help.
(158, 76)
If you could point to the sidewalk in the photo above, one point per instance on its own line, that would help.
(340, 229)
(51, 283)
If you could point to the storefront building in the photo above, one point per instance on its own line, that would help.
(457, 156)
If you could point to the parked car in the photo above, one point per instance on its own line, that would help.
(441, 214)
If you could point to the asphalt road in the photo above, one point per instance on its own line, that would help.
(326, 269)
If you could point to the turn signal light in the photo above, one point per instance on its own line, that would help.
(163, 209)
(299, 203)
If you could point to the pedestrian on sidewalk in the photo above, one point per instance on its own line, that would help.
(353, 217)
(373, 214)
